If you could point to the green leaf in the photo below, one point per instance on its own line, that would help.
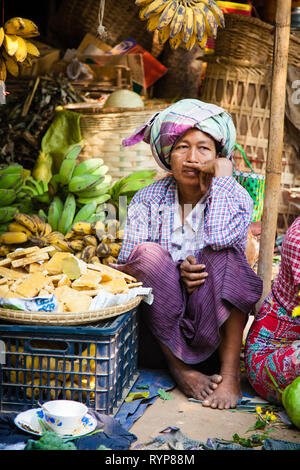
(258, 425)
(164, 395)
(63, 133)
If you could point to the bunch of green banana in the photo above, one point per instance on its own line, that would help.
(87, 180)
(15, 49)
(11, 181)
(37, 190)
(90, 181)
(11, 177)
(186, 22)
(127, 187)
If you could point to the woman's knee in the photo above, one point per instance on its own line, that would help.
(148, 251)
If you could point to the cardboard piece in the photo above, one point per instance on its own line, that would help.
(43, 64)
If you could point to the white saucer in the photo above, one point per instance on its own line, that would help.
(29, 421)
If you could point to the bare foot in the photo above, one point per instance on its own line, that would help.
(227, 394)
(194, 384)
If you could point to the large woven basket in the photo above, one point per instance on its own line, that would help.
(251, 40)
(67, 318)
(103, 131)
(245, 92)
(75, 18)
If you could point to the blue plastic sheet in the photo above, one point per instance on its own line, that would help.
(154, 379)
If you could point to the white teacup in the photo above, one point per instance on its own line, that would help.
(64, 416)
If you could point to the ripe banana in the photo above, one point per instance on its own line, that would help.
(52, 237)
(76, 245)
(21, 52)
(32, 49)
(177, 21)
(1, 35)
(88, 253)
(26, 221)
(82, 228)
(211, 25)
(90, 240)
(199, 25)
(98, 229)
(217, 11)
(67, 215)
(3, 70)
(62, 245)
(41, 225)
(167, 15)
(22, 27)
(103, 250)
(11, 64)
(11, 43)
(155, 7)
(4, 250)
(16, 227)
(13, 238)
(142, 2)
(188, 25)
(164, 34)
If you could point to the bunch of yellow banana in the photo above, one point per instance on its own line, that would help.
(186, 22)
(26, 228)
(15, 49)
(96, 242)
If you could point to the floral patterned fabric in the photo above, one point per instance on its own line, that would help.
(273, 342)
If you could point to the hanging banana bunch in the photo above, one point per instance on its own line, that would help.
(15, 49)
(186, 22)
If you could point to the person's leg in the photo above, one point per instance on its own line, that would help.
(192, 382)
(229, 391)
(272, 345)
(153, 266)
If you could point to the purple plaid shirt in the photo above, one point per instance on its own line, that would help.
(150, 218)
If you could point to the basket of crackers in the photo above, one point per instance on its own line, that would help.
(49, 287)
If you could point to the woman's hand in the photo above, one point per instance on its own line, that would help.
(207, 170)
(192, 273)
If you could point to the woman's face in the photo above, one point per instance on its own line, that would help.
(193, 146)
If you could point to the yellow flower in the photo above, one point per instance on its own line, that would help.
(296, 312)
(258, 409)
(273, 417)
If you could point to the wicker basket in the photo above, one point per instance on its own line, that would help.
(251, 40)
(245, 93)
(67, 318)
(104, 130)
(75, 18)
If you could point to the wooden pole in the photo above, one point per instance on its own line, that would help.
(275, 144)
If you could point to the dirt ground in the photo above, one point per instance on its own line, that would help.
(201, 423)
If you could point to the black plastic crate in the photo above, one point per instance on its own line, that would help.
(95, 364)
